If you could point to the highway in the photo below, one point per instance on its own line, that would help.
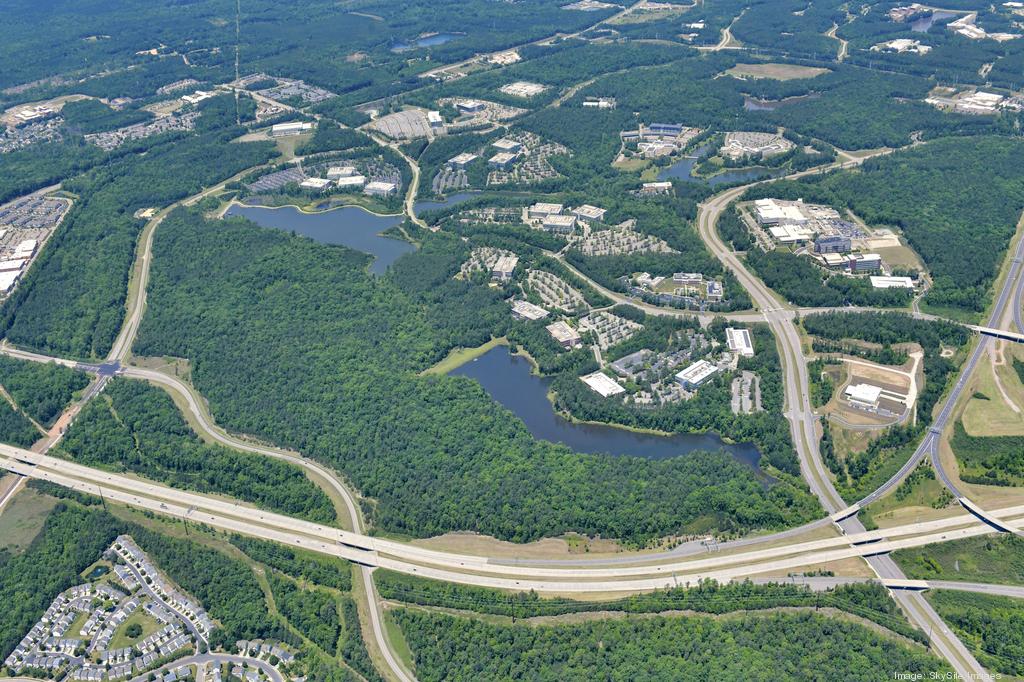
(803, 424)
(628, 573)
(472, 570)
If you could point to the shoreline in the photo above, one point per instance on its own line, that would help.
(304, 211)
(474, 353)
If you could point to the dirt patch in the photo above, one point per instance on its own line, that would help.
(779, 72)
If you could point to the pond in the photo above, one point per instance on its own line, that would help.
(350, 226)
(683, 170)
(98, 572)
(437, 204)
(432, 40)
(509, 380)
(923, 24)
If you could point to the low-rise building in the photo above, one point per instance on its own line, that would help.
(791, 234)
(739, 341)
(589, 213)
(696, 374)
(290, 128)
(462, 160)
(880, 282)
(714, 291)
(319, 184)
(524, 310)
(380, 189)
(832, 244)
(650, 188)
(541, 210)
(564, 334)
(866, 262)
(335, 172)
(864, 396)
(775, 212)
(559, 224)
(507, 145)
(602, 384)
(351, 182)
(435, 120)
(688, 279)
(470, 106)
(502, 161)
(504, 267)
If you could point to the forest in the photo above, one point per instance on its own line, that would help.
(780, 646)
(991, 626)
(16, 428)
(133, 426)
(71, 302)
(432, 453)
(42, 390)
(867, 600)
(805, 284)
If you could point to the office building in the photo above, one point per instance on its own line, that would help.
(868, 262)
(589, 213)
(879, 282)
(503, 269)
(739, 341)
(470, 106)
(539, 211)
(524, 310)
(832, 244)
(502, 161)
(565, 335)
(462, 160)
(380, 189)
(351, 182)
(696, 374)
(559, 224)
(602, 384)
(315, 183)
(507, 145)
(292, 128)
(435, 120)
(335, 172)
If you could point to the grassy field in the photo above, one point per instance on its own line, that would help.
(23, 519)
(149, 626)
(460, 356)
(993, 415)
(779, 72)
(989, 559)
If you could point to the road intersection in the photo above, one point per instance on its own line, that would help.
(733, 560)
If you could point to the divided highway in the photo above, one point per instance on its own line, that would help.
(621, 574)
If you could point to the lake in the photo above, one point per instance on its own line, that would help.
(350, 226)
(425, 41)
(508, 379)
(923, 24)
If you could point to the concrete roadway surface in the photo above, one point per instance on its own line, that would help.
(476, 570)
(803, 426)
(201, 660)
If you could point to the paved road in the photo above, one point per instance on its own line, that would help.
(216, 659)
(479, 570)
(148, 589)
(805, 439)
